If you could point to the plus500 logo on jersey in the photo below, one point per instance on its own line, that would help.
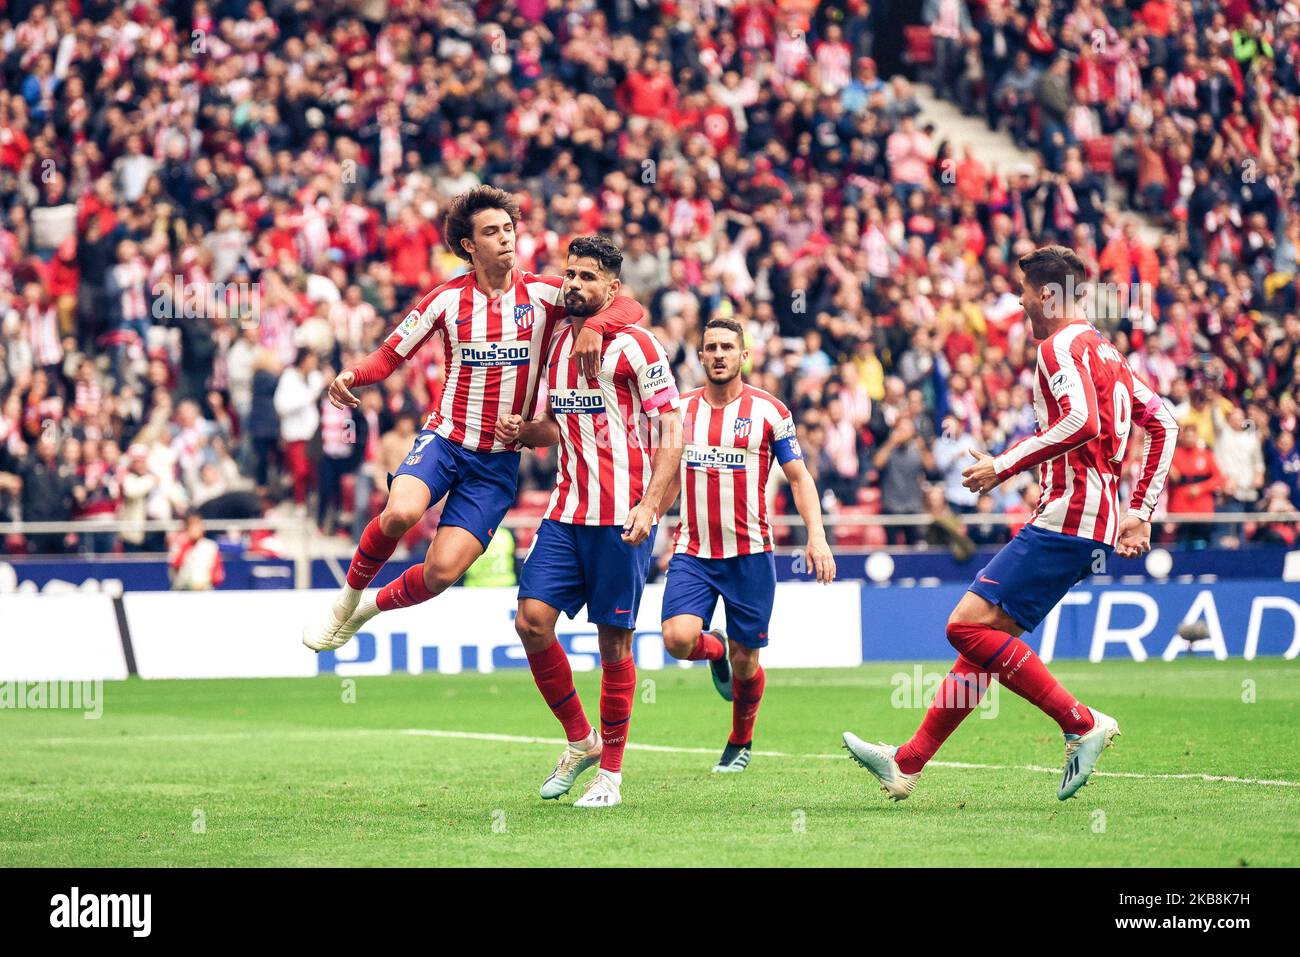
(495, 353)
(715, 457)
(577, 401)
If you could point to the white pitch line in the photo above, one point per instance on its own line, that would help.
(209, 736)
(307, 733)
(961, 765)
(631, 745)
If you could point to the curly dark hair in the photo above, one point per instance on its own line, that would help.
(599, 248)
(459, 223)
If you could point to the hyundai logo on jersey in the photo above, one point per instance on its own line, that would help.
(524, 317)
(577, 401)
(655, 377)
(715, 457)
(495, 353)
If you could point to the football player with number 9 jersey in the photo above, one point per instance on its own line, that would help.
(1087, 400)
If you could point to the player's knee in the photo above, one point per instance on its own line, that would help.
(954, 630)
(530, 629)
(439, 576)
(955, 621)
(397, 519)
(679, 641)
(964, 635)
(744, 662)
(971, 610)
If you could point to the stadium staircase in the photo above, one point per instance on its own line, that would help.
(997, 151)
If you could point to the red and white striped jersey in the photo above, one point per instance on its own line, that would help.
(725, 467)
(488, 350)
(1086, 399)
(605, 439)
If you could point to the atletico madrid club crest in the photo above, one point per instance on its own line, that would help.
(524, 317)
(742, 428)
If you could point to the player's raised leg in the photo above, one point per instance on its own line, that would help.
(1012, 594)
(988, 637)
(479, 488)
(899, 768)
(686, 640)
(408, 500)
(450, 554)
(690, 597)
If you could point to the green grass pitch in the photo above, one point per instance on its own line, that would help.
(284, 772)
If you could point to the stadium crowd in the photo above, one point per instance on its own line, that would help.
(208, 208)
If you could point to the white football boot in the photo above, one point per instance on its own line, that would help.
(879, 760)
(342, 633)
(605, 791)
(575, 759)
(1082, 751)
(319, 636)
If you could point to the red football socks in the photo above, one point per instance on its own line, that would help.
(707, 648)
(404, 591)
(745, 698)
(987, 653)
(617, 687)
(373, 550)
(554, 678)
(957, 697)
(1016, 666)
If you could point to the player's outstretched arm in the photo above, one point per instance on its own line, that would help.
(808, 503)
(664, 463)
(1078, 423)
(403, 342)
(376, 367)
